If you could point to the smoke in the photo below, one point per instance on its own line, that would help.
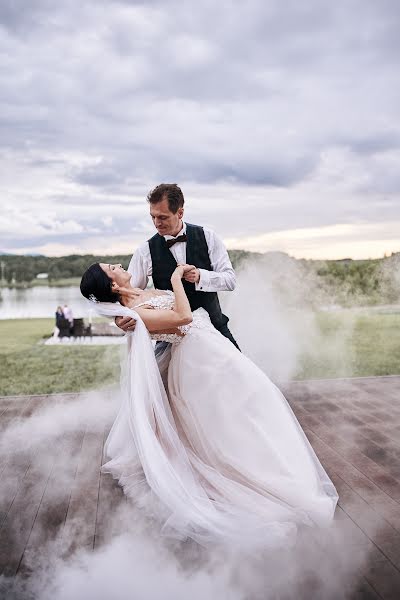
(276, 318)
(132, 565)
(137, 565)
(66, 414)
(389, 277)
(275, 315)
(130, 559)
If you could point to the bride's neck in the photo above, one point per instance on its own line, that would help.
(129, 295)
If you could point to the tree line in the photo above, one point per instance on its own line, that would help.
(359, 282)
(342, 282)
(23, 269)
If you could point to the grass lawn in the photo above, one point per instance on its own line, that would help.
(27, 367)
(65, 282)
(347, 344)
(353, 343)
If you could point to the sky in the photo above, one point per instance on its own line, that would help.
(279, 120)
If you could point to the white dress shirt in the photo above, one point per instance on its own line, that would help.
(68, 314)
(222, 278)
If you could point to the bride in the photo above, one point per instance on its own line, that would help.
(218, 451)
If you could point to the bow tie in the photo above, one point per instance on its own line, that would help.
(180, 238)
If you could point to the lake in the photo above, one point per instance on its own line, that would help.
(41, 301)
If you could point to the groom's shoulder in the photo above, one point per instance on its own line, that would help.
(193, 226)
(201, 228)
(156, 236)
(207, 230)
(144, 248)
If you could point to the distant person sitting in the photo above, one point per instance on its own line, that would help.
(69, 316)
(59, 316)
(59, 322)
(64, 328)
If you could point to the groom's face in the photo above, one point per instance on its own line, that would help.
(165, 221)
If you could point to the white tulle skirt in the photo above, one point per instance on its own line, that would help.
(222, 458)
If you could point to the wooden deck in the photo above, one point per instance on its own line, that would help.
(353, 425)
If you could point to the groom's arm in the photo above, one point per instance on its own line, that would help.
(140, 269)
(222, 278)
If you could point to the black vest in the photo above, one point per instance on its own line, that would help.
(164, 264)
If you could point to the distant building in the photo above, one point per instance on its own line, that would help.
(42, 276)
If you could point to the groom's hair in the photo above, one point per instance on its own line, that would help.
(171, 191)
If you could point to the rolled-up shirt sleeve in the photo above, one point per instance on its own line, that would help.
(222, 277)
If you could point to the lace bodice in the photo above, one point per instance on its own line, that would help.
(201, 319)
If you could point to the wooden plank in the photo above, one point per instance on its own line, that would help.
(21, 516)
(383, 504)
(351, 534)
(364, 591)
(21, 409)
(80, 524)
(370, 394)
(355, 403)
(15, 466)
(377, 529)
(368, 439)
(385, 579)
(377, 473)
(19, 487)
(9, 403)
(376, 525)
(53, 508)
(111, 496)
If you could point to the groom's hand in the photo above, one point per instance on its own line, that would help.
(125, 323)
(193, 275)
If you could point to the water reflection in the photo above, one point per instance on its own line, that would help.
(41, 302)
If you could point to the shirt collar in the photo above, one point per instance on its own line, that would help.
(172, 237)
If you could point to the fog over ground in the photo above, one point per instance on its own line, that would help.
(135, 562)
(279, 120)
(274, 332)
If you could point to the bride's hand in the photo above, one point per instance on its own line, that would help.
(182, 269)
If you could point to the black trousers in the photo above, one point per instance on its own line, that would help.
(226, 332)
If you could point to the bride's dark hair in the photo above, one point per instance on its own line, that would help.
(96, 285)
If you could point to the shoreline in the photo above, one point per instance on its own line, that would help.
(24, 285)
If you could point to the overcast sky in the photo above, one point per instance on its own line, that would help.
(279, 120)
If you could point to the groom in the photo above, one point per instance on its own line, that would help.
(180, 242)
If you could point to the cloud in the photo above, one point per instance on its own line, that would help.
(103, 100)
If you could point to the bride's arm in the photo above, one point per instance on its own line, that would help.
(169, 330)
(181, 314)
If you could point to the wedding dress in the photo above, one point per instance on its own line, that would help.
(219, 456)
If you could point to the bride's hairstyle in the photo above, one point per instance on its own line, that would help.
(96, 285)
